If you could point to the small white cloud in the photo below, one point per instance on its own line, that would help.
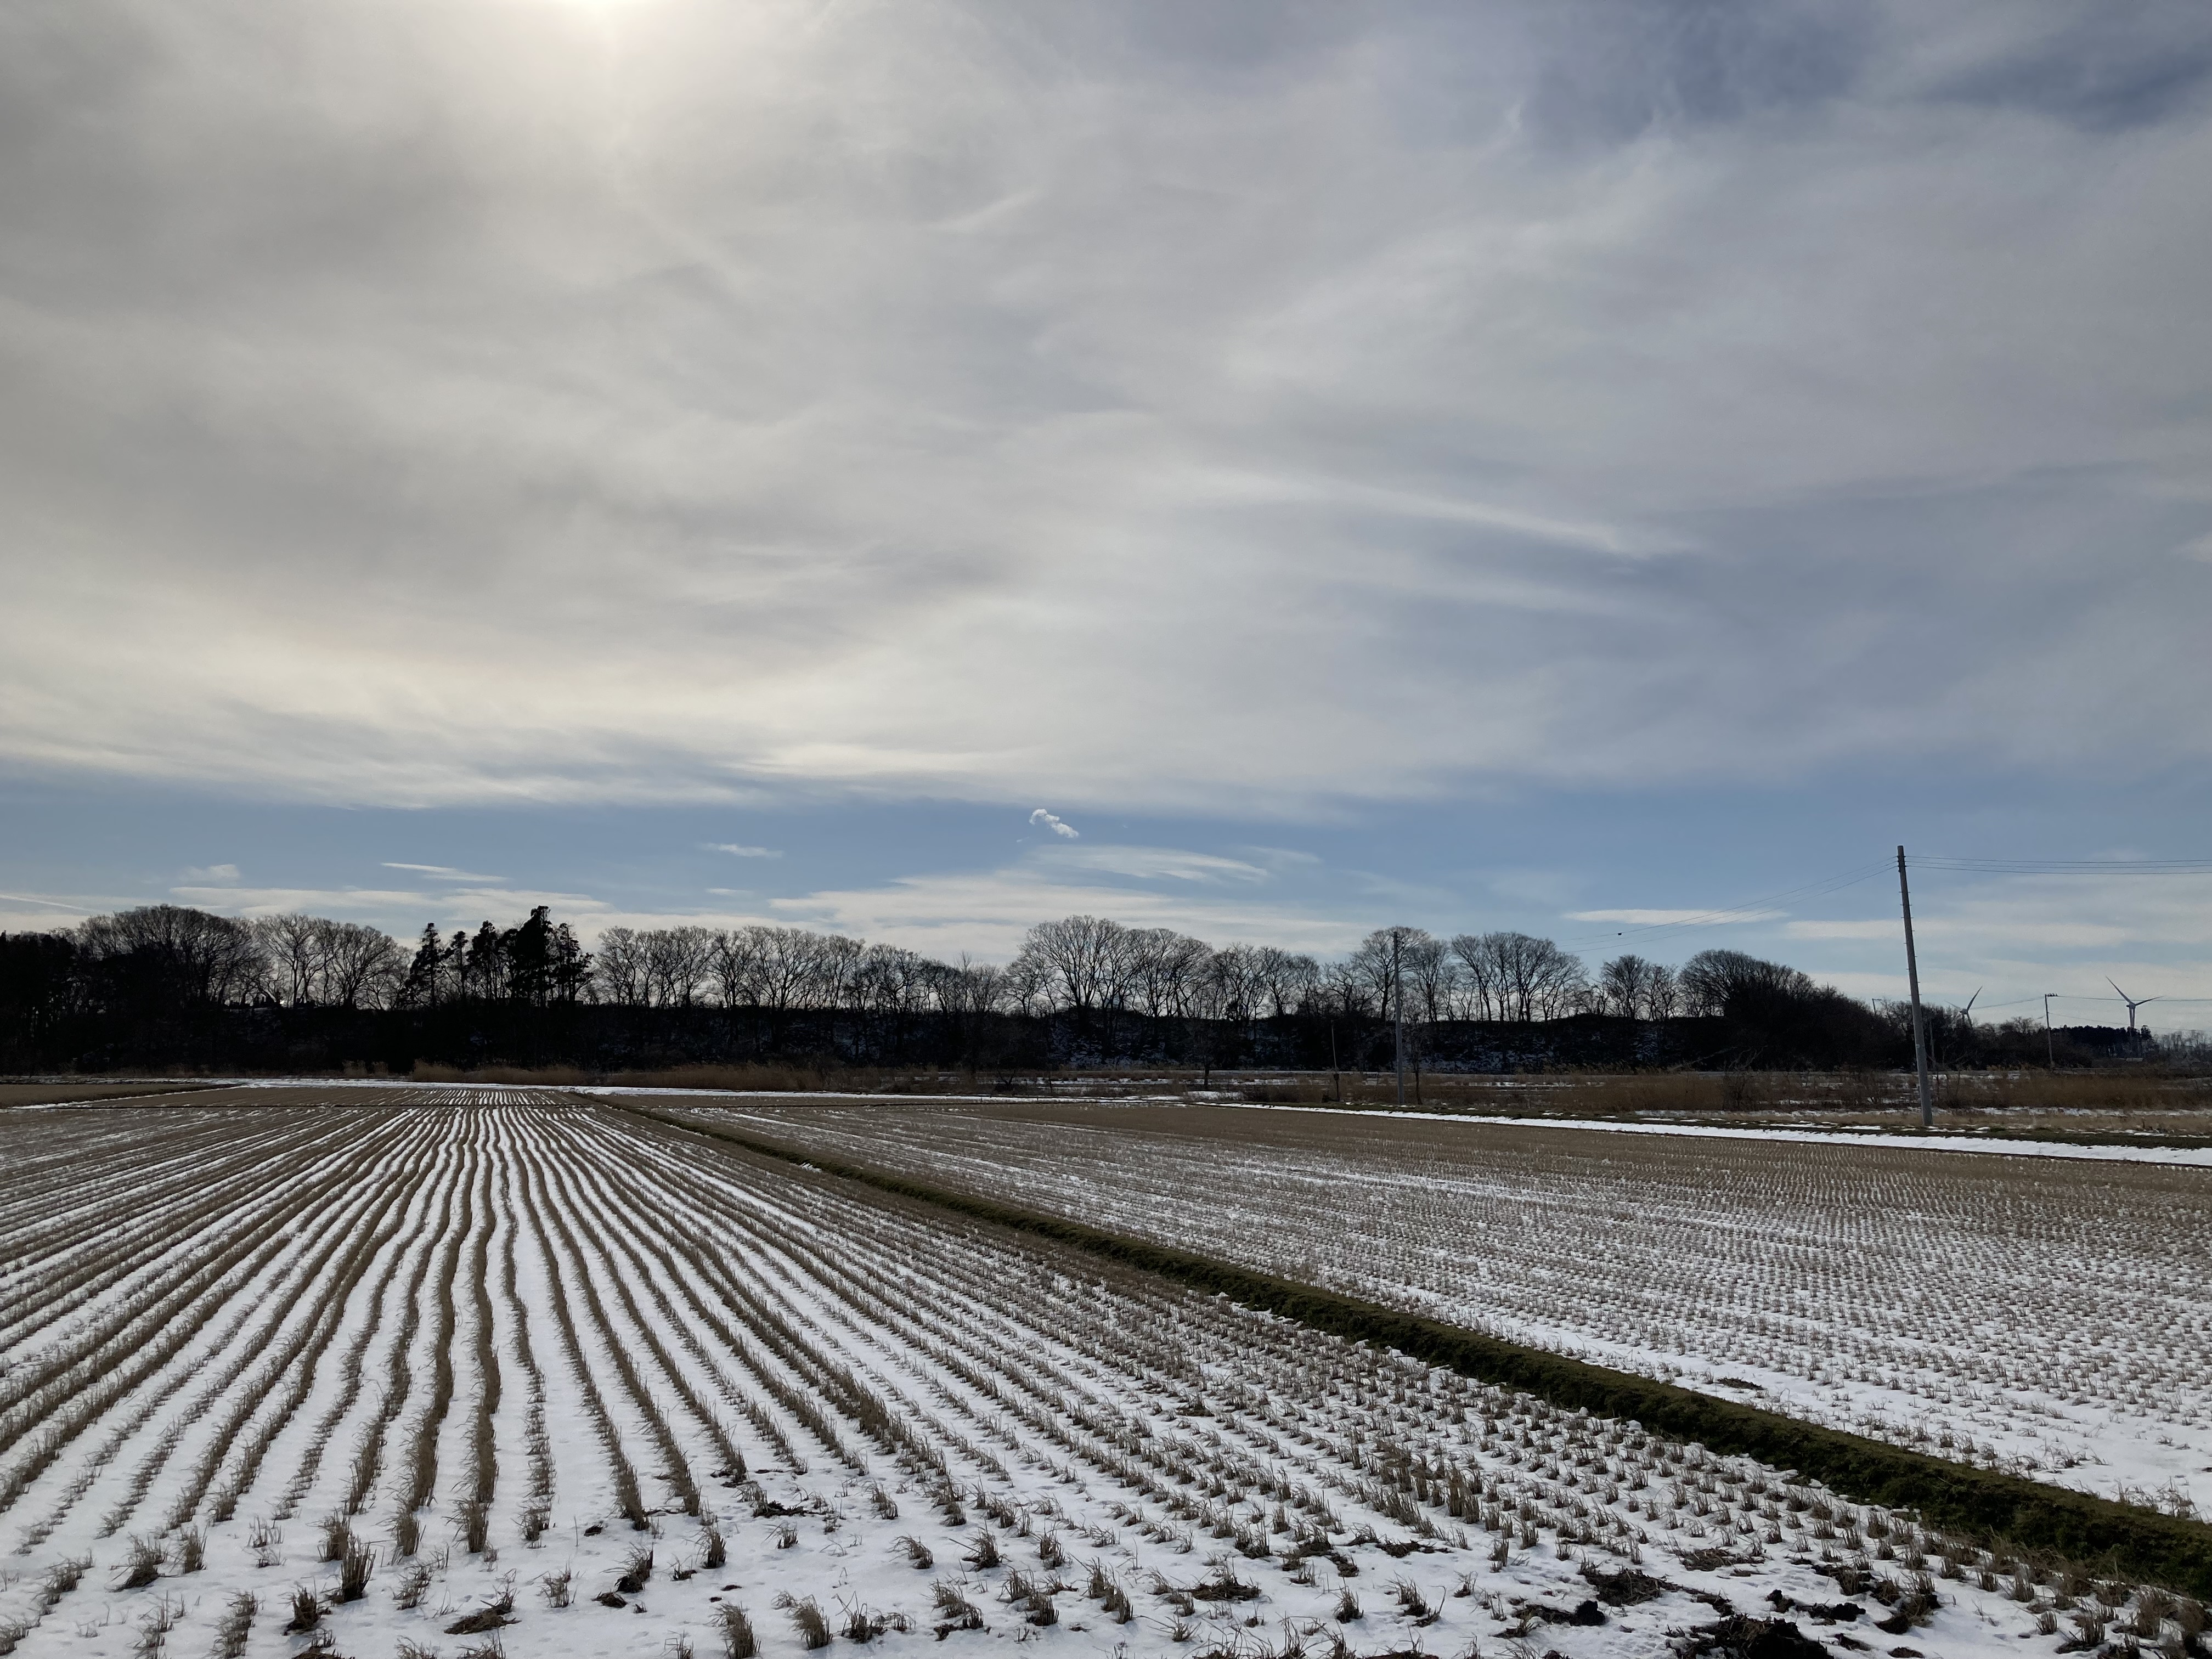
(736, 851)
(1670, 918)
(212, 872)
(1155, 863)
(441, 871)
(1064, 831)
(37, 902)
(1281, 858)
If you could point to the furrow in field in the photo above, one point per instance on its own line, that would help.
(559, 1279)
(158, 1348)
(498, 1298)
(2051, 1320)
(260, 1418)
(172, 1278)
(345, 1394)
(514, 1318)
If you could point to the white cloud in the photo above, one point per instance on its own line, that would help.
(38, 914)
(736, 851)
(2019, 936)
(1254, 422)
(392, 907)
(1282, 859)
(441, 871)
(1664, 918)
(987, 913)
(1152, 864)
(213, 872)
(1064, 831)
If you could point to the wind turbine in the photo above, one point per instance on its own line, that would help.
(1967, 1013)
(2133, 1003)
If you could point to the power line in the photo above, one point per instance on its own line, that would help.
(2069, 996)
(2068, 866)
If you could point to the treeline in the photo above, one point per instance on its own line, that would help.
(165, 984)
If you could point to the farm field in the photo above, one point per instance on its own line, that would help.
(464, 1371)
(2048, 1316)
(44, 1094)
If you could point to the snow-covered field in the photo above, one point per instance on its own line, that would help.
(2053, 1317)
(455, 1372)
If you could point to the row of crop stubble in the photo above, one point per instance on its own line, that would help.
(2047, 1317)
(350, 1367)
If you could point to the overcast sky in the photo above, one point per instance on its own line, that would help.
(1473, 465)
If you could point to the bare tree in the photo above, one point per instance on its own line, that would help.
(1378, 961)
(1634, 989)
(836, 970)
(1517, 976)
(678, 961)
(1386, 961)
(889, 979)
(1624, 986)
(209, 958)
(733, 966)
(1081, 963)
(1431, 978)
(1163, 970)
(293, 946)
(1480, 988)
(969, 987)
(623, 973)
(1711, 981)
(1346, 993)
(1288, 981)
(361, 967)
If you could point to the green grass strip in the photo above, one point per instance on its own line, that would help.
(2009, 1510)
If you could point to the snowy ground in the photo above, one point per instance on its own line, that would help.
(2048, 1315)
(495, 1344)
(1991, 1146)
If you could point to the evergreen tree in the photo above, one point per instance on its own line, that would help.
(424, 975)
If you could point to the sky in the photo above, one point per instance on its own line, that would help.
(1577, 466)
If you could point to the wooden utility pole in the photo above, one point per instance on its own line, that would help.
(1912, 977)
(2050, 1043)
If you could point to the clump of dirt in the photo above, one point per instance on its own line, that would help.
(1739, 1637)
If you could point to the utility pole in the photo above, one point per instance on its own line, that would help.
(2049, 1046)
(1398, 987)
(1912, 977)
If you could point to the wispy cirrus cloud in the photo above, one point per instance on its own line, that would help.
(1665, 918)
(737, 850)
(442, 873)
(1256, 417)
(989, 912)
(1153, 864)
